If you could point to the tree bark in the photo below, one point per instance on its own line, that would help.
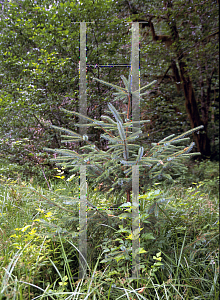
(201, 138)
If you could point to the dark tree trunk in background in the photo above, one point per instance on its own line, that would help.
(201, 139)
(181, 76)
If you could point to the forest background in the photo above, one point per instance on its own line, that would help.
(39, 201)
(39, 72)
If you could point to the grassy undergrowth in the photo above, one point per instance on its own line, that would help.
(39, 234)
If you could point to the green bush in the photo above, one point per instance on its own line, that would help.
(205, 172)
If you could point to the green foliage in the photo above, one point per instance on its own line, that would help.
(39, 227)
(163, 223)
(179, 37)
(39, 58)
(30, 164)
(39, 67)
(112, 168)
(206, 172)
(180, 237)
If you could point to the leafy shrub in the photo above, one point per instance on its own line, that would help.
(206, 172)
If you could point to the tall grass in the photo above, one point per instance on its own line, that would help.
(39, 254)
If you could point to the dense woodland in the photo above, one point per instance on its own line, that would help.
(39, 77)
(39, 69)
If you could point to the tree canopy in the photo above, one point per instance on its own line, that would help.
(39, 58)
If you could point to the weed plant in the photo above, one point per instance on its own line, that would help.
(38, 247)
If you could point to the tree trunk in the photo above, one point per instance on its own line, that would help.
(201, 139)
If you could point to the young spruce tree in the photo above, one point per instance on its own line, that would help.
(111, 169)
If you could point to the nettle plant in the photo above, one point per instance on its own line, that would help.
(111, 169)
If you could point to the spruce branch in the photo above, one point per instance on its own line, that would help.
(111, 169)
